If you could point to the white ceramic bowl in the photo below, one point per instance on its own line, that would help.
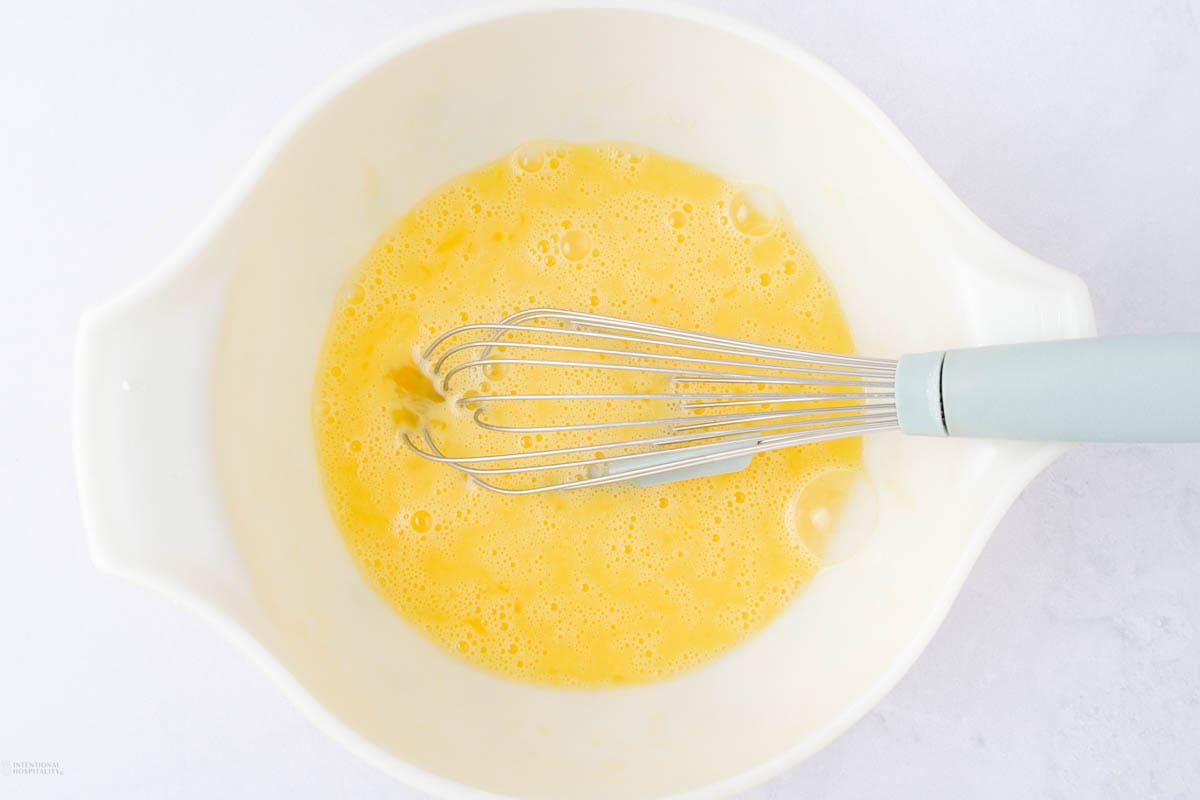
(192, 411)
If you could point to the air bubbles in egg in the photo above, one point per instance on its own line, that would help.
(574, 245)
(754, 211)
(636, 153)
(833, 515)
(529, 157)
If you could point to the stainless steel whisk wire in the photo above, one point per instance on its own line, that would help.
(794, 411)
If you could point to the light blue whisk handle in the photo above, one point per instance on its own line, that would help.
(1105, 389)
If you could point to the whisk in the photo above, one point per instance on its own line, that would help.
(714, 402)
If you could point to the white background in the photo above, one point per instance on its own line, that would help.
(1070, 666)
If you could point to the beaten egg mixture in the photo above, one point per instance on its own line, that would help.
(598, 586)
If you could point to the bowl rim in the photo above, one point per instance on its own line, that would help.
(249, 176)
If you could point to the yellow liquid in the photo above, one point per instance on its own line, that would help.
(597, 586)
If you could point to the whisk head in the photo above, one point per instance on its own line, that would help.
(655, 403)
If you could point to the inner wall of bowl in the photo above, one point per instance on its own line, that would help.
(694, 92)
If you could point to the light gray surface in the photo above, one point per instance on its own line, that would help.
(1070, 666)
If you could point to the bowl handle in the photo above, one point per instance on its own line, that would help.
(143, 434)
(1027, 299)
